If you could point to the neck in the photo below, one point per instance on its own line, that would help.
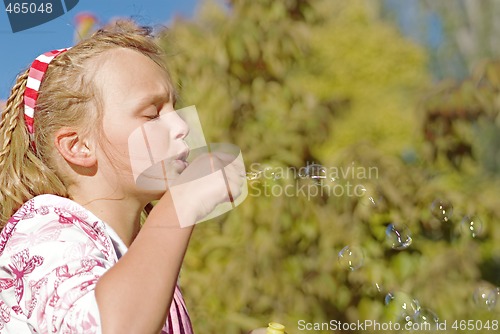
(122, 214)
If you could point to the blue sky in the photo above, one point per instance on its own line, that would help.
(19, 49)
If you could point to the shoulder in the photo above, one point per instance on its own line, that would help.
(42, 205)
(48, 218)
(52, 253)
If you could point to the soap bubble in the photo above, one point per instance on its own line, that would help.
(472, 226)
(493, 296)
(374, 289)
(402, 307)
(388, 298)
(485, 295)
(398, 236)
(315, 172)
(351, 257)
(442, 210)
(268, 173)
(253, 175)
(367, 196)
(427, 316)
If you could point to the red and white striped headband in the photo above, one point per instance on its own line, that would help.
(35, 77)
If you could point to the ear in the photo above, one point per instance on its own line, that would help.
(75, 149)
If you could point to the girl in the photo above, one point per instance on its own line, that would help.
(73, 258)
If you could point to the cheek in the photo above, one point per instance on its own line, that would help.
(115, 146)
(117, 133)
(147, 146)
(154, 138)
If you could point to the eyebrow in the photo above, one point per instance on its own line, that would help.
(156, 99)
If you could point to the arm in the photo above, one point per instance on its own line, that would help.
(140, 286)
(134, 296)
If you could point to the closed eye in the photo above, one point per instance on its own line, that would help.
(151, 117)
(152, 113)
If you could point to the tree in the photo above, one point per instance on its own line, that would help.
(316, 93)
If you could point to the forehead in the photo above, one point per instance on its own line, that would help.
(125, 75)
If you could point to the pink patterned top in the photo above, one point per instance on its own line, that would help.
(52, 253)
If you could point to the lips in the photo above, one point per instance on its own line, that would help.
(183, 155)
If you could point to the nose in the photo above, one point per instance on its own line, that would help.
(180, 127)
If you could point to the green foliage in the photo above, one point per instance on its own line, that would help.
(295, 82)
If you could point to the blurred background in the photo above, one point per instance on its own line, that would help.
(370, 133)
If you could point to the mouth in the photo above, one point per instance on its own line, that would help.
(183, 155)
(182, 158)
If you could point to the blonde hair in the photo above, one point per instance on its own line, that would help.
(67, 97)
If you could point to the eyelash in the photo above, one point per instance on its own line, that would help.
(158, 109)
(157, 115)
(153, 117)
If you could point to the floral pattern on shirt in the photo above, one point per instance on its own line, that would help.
(52, 253)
